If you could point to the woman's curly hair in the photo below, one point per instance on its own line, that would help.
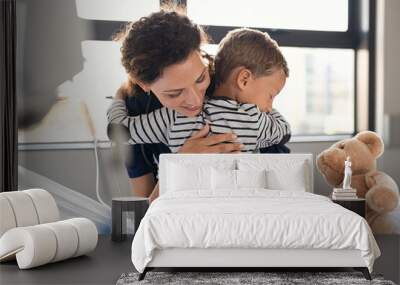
(153, 43)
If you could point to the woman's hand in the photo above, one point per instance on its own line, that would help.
(220, 143)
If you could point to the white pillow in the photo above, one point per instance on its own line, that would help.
(183, 177)
(293, 180)
(223, 179)
(282, 174)
(226, 179)
(251, 178)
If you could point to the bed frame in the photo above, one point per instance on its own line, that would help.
(246, 258)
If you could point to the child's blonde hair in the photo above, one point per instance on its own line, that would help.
(251, 49)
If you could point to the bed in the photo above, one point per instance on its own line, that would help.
(246, 211)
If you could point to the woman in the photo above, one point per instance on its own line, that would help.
(161, 54)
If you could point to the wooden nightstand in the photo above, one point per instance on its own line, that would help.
(356, 205)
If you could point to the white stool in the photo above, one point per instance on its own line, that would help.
(31, 233)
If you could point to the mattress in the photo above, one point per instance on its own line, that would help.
(250, 219)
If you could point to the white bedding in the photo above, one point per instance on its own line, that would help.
(251, 218)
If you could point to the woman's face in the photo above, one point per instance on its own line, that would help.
(182, 86)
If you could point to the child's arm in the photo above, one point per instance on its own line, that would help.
(146, 128)
(274, 129)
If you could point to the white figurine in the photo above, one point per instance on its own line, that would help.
(347, 174)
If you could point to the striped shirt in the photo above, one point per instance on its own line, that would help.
(254, 129)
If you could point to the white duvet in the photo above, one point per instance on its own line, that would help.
(253, 218)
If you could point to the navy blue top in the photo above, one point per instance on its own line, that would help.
(144, 157)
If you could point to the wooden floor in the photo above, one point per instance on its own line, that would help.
(110, 259)
(102, 266)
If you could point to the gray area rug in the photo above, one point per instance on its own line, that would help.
(230, 278)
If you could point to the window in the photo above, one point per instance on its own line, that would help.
(319, 39)
(318, 98)
(317, 15)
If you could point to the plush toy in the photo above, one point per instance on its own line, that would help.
(379, 189)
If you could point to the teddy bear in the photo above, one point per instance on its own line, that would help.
(379, 189)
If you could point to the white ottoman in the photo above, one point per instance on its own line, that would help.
(31, 233)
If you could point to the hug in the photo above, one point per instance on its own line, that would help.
(226, 104)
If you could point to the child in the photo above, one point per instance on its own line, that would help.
(250, 71)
